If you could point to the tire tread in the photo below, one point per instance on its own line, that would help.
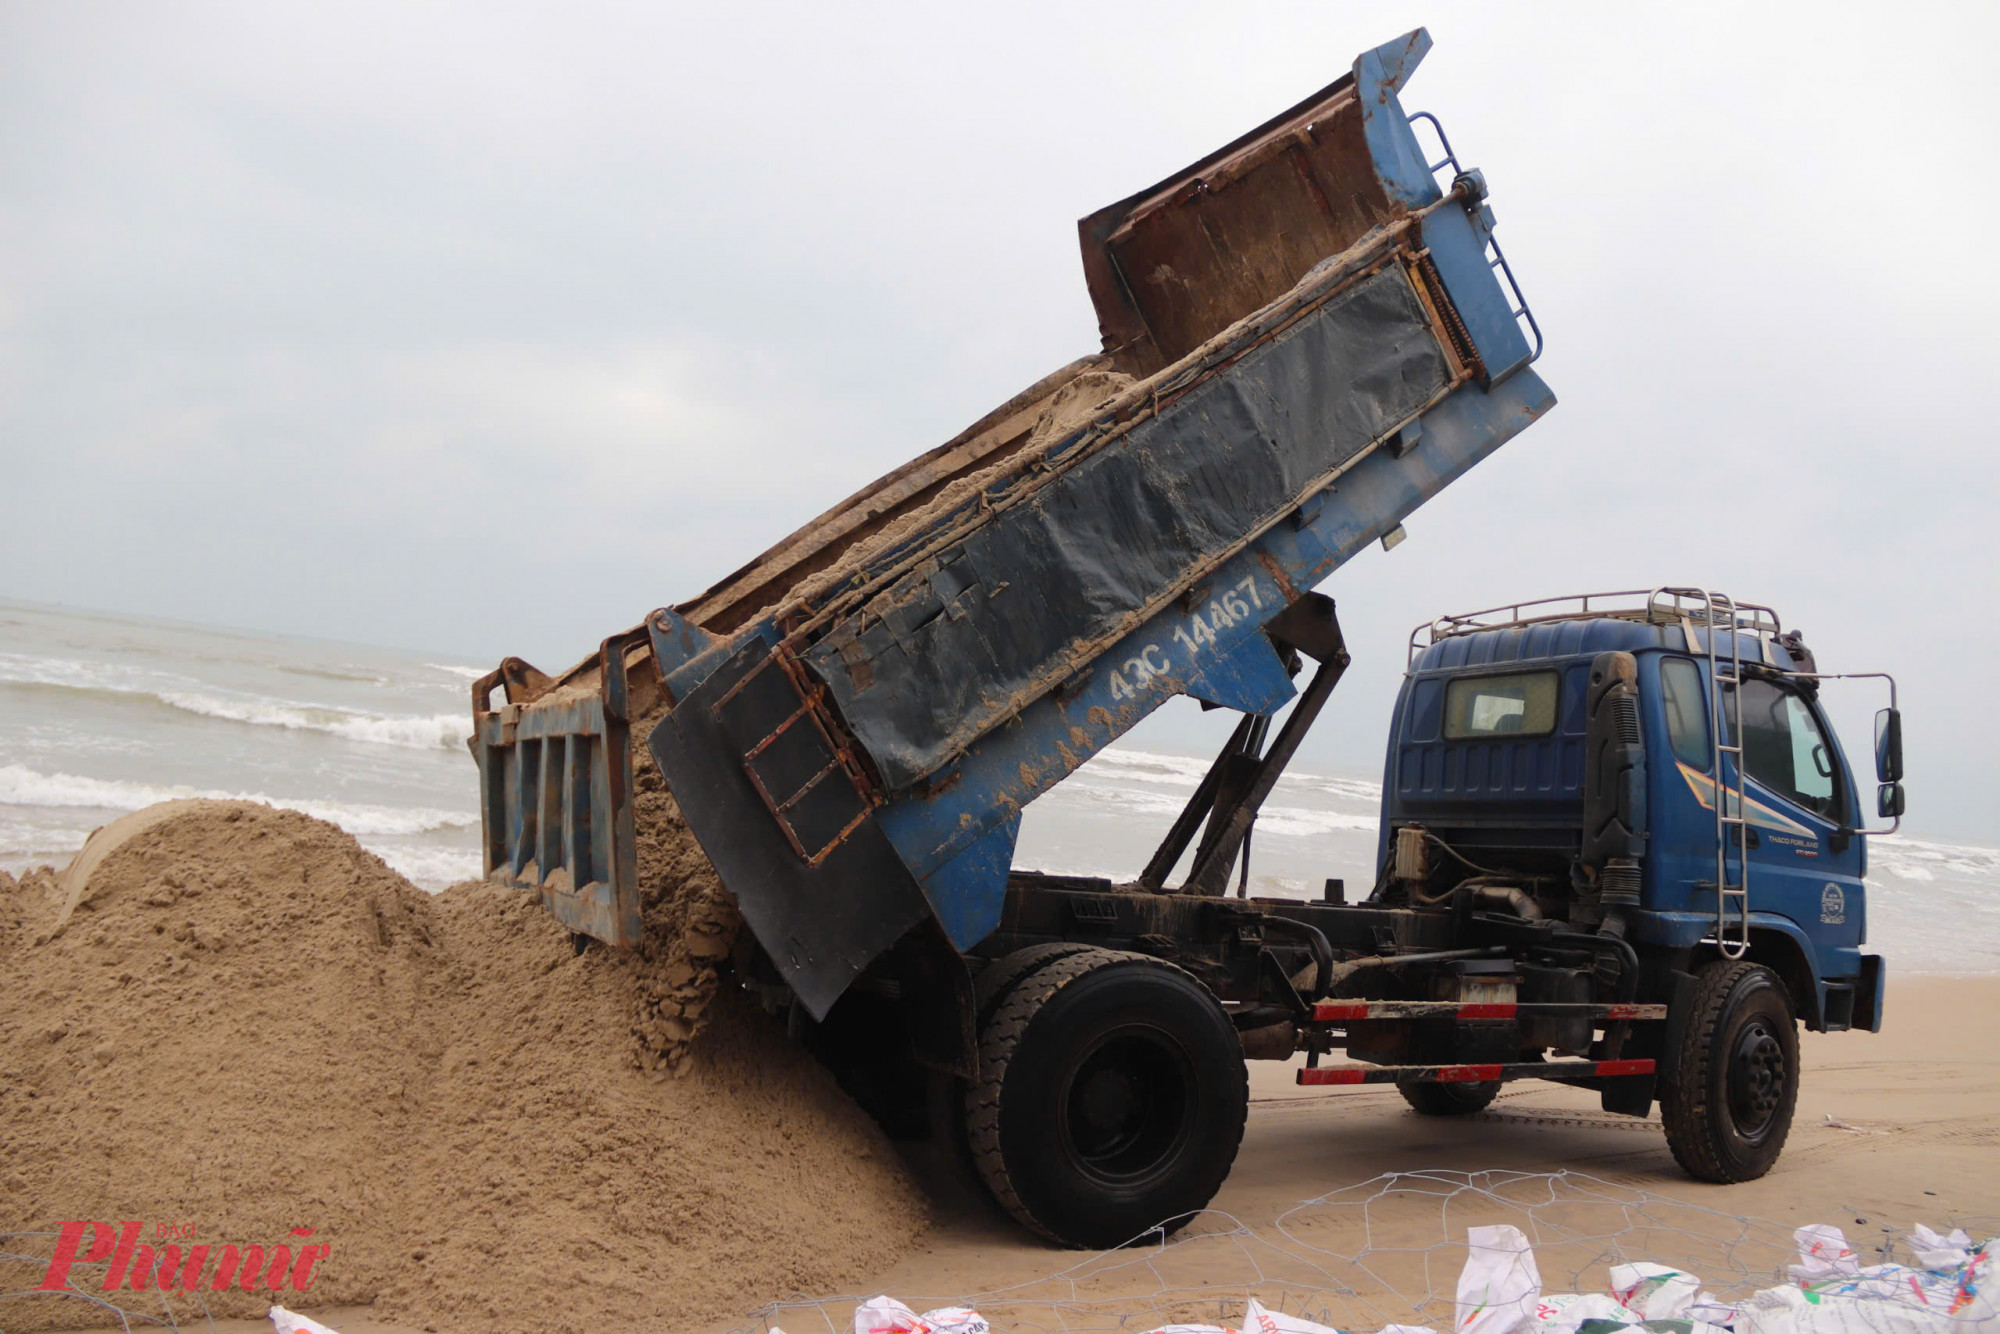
(1008, 971)
(999, 1038)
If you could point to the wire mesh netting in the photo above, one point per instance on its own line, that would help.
(1385, 1251)
(1389, 1251)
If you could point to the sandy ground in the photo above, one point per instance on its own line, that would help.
(1892, 1128)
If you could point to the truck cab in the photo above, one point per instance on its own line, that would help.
(1653, 768)
(1489, 751)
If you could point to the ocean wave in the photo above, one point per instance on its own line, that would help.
(69, 673)
(1146, 766)
(360, 675)
(1364, 790)
(1186, 772)
(463, 673)
(421, 731)
(1302, 822)
(1283, 821)
(428, 868)
(22, 786)
(1916, 859)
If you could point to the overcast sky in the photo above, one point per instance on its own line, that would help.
(485, 328)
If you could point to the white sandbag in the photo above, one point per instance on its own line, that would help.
(1189, 1329)
(1823, 1253)
(1773, 1311)
(1565, 1312)
(1709, 1309)
(1975, 1305)
(1654, 1291)
(956, 1320)
(1500, 1282)
(1950, 1251)
(1889, 1283)
(1791, 1310)
(886, 1315)
(291, 1322)
(1258, 1319)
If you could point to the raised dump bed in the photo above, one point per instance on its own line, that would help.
(1306, 335)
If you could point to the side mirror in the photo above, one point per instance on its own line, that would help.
(1889, 801)
(1889, 746)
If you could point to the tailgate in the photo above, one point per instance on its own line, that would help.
(555, 786)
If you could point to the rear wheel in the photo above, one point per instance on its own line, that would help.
(1008, 971)
(948, 1092)
(1449, 1099)
(1736, 1084)
(1111, 1098)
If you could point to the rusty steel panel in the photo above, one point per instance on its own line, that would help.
(555, 774)
(1172, 266)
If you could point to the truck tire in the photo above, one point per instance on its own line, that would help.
(1736, 1083)
(1008, 971)
(1449, 1099)
(948, 1092)
(1111, 1098)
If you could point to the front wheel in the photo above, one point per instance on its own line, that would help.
(1729, 1109)
(1111, 1098)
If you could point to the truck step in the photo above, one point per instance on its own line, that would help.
(1342, 1011)
(1471, 1074)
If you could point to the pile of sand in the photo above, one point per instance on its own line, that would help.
(249, 1024)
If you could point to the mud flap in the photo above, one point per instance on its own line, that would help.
(1658, 1045)
(939, 1002)
(1675, 1029)
(821, 922)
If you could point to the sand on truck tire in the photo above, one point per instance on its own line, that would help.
(247, 1024)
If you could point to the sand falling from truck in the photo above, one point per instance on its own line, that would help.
(250, 1021)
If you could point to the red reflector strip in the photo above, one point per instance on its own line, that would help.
(1335, 1011)
(1635, 1012)
(1608, 1068)
(1471, 1074)
(1468, 1074)
(1492, 1010)
(1351, 1011)
(1334, 1074)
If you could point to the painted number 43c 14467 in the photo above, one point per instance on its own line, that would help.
(1200, 629)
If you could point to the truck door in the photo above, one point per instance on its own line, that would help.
(1805, 860)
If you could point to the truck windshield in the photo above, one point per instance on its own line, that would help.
(1522, 704)
(1784, 748)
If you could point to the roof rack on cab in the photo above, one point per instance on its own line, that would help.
(1664, 605)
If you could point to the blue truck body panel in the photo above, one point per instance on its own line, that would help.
(984, 621)
(1202, 651)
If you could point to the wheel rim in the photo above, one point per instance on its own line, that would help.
(1128, 1106)
(1756, 1080)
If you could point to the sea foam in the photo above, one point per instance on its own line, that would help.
(418, 730)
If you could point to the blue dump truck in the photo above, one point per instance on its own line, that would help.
(1619, 848)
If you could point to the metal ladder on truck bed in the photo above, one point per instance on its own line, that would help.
(1732, 808)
